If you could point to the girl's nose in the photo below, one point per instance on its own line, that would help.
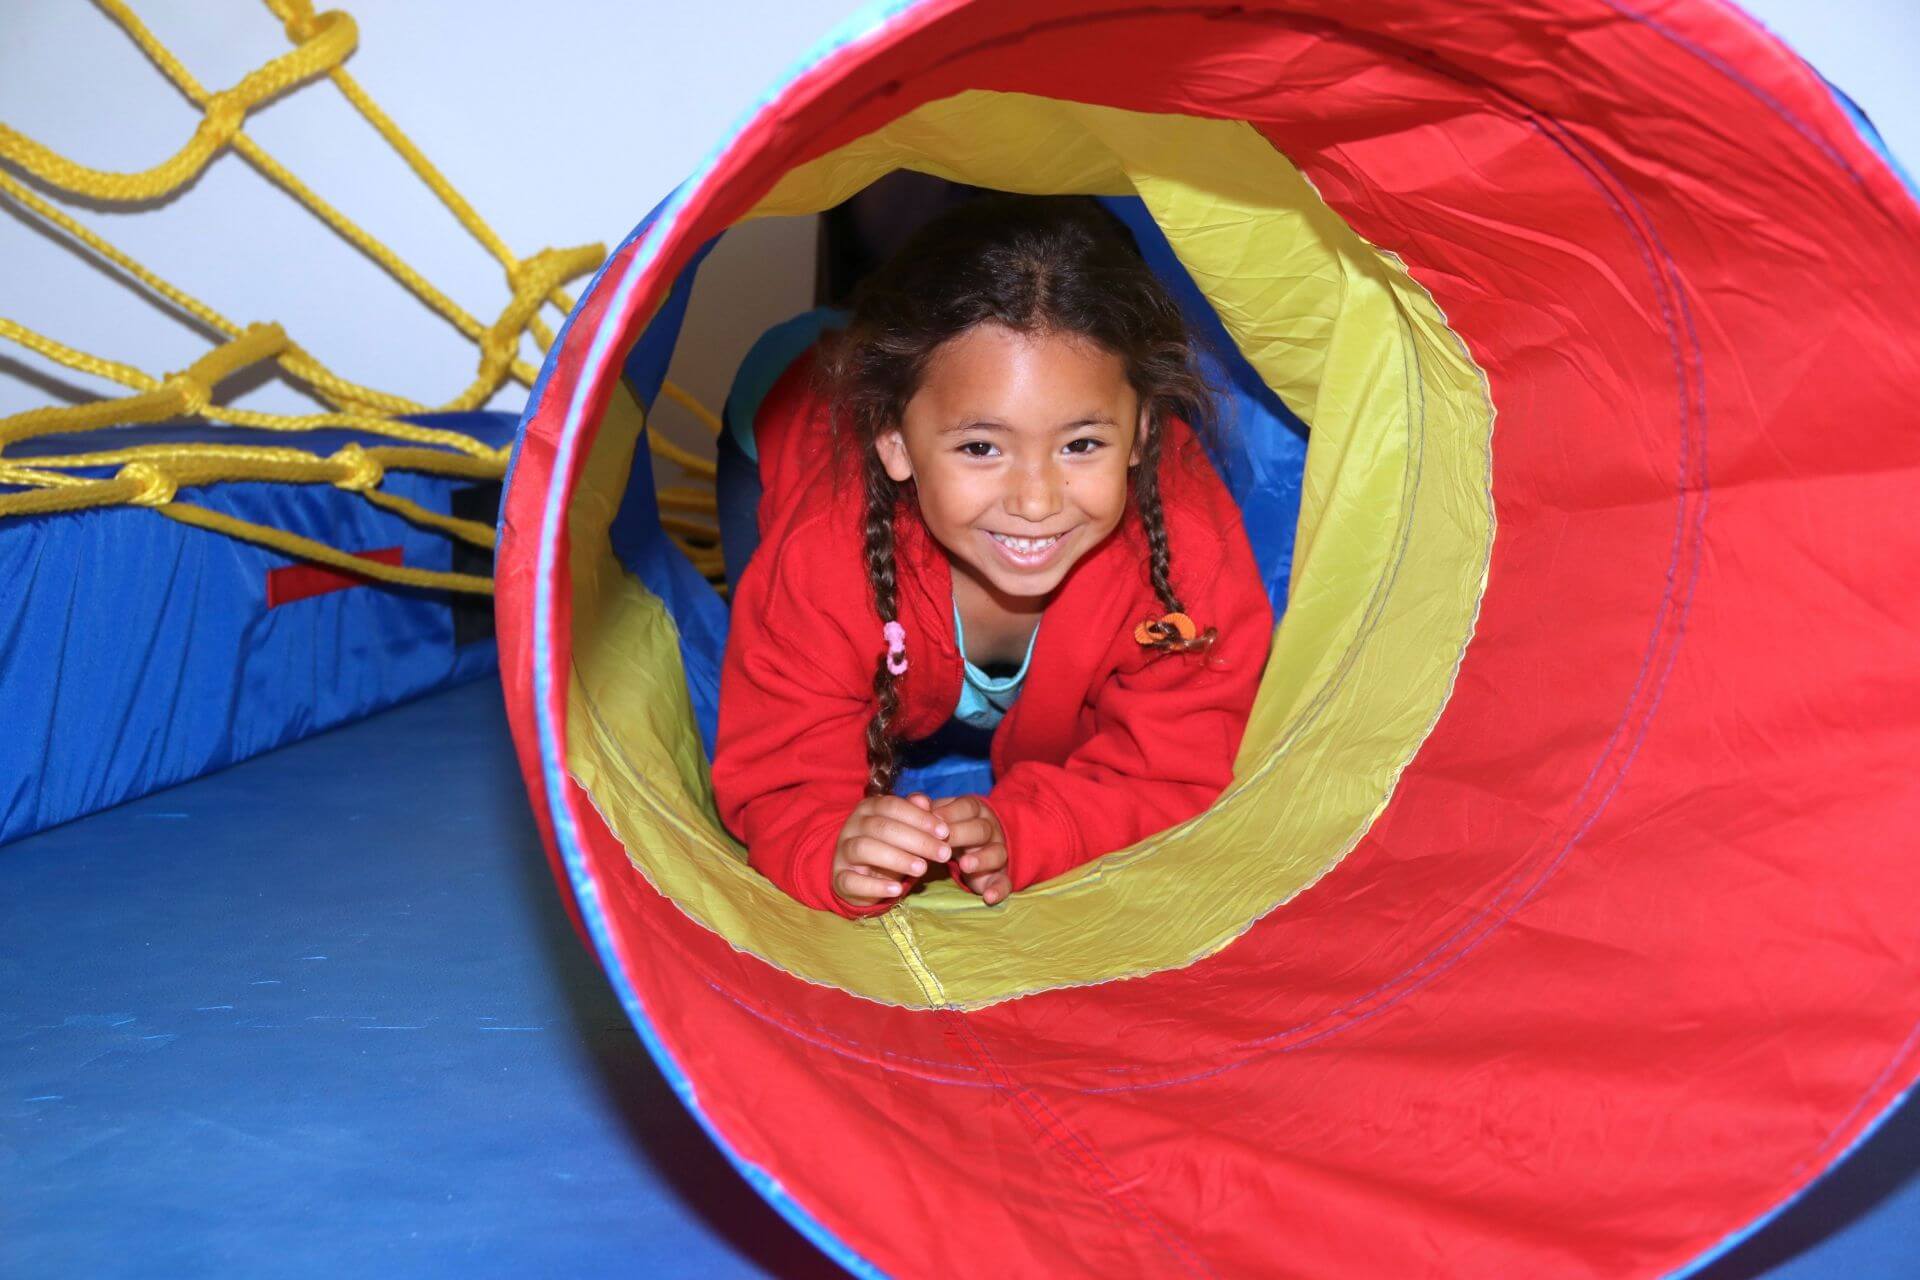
(1036, 494)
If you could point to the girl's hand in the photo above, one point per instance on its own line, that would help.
(983, 846)
(886, 843)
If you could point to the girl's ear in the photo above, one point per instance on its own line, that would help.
(1140, 436)
(892, 448)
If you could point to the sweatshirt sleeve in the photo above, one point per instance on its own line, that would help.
(1164, 730)
(790, 760)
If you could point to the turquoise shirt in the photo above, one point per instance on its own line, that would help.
(984, 699)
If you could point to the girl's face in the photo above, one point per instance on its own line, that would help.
(1020, 445)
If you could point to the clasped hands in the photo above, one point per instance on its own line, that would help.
(889, 841)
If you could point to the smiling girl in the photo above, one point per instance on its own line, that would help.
(984, 504)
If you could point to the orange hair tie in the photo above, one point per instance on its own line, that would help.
(1164, 628)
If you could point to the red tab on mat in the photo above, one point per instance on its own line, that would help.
(301, 581)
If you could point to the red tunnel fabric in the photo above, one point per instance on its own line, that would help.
(1630, 957)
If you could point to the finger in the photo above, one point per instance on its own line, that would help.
(986, 857)
(901, 836)
(959, 808)
(902, 811)
(922, 801)
(855, 883)
(991, 886)
(884, 855)
(966, 833)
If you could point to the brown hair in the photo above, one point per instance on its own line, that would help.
(1035, 264)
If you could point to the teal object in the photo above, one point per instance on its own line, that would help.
(984, 699)
(762, 366)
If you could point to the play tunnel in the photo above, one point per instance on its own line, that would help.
(1558, 920)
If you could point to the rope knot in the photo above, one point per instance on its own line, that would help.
(363, 471)
(498, 348)
(156, 486)
(535, 277)
(226, 112)
(527, 270)
(300, 20)
(194, 394)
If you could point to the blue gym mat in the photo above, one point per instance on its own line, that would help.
(321, 1015)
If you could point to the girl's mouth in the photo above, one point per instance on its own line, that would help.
(1027, 553)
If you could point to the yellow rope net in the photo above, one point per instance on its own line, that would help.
(150, 475)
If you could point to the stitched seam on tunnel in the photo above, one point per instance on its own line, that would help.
(1115, 1198)
(1218, 13)
(821, 1042)
(1776, 1207)
(899, 931)
(841, 1045)
(1766, 99)
(1105, 1184)
(1833, 1137)
(1265, 1045)
(1114, 1192)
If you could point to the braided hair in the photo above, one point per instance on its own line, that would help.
(882, 765)
(1035, 265)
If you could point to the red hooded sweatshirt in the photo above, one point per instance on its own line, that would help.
(1108, 741)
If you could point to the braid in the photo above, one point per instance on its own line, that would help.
(883, 768)
(1153, 520)
(1147, 493)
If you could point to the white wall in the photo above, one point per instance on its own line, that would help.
(563, 123)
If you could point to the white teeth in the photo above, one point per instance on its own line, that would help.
(1024, 546)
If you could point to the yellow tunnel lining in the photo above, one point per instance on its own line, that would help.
(1396, 529)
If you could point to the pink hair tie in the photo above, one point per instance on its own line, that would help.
(896, 648)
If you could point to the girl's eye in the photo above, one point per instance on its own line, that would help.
(1073, 446)
(977, 448)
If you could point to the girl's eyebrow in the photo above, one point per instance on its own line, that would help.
(1095, 419)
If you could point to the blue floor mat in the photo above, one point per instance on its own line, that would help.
(322, 1015)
